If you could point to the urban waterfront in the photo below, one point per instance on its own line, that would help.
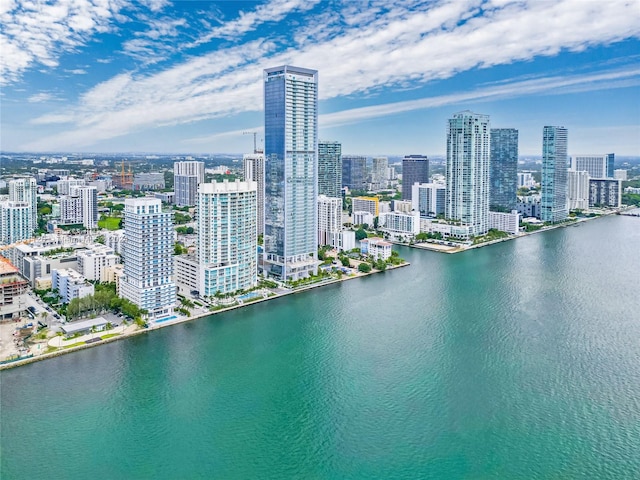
(518, 360)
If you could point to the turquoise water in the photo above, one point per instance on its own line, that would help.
(516, 361)
(250, 295)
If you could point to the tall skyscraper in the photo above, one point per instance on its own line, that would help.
(467, 191)
(554, 206)
(227, 236)
(25, 190)
(186, 178)
(354, 172)
(598, 166)
(415, 169)
(291, 172)
(504, 170)
(148, 256)
(253, 164)
(578, 190)
(379, 172)
(16, 222)
(330, 169)
(89, 206)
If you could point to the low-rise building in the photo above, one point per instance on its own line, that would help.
(620, 174)
(449, 230)
(93, 261)
(505, 222)
(400, 224)
(70, 284)
(377, 248)
(84, 327)
(148, 181)
(187, 278)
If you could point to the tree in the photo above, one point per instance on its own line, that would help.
(381, 265)
(345, 261)
(364, 267)
(361, 234)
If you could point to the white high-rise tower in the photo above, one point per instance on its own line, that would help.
(468, 154)
(148, 256)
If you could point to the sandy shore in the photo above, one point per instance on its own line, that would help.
(119, 333)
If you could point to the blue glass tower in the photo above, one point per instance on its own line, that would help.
(504, 170)
(291, 172)
(554, 204)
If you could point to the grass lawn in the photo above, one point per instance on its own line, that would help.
(109, 335)
(110, 223)
(75, 345)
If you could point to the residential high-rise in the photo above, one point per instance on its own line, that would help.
(504, 170)
(428, 199)
(467, 171)
(25, 190)
(187, 176)
(254, 171)
(330, 169)
(354, 172)
(291, 172)
(415, 169)
(598, 166)
(16, 222)
(227, 237)
(605, 192)
(148, 257)
(329, 220)
(89, 206)
(578, 190)
(379, 172)
(554, 205)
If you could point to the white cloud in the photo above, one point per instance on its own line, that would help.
(391, 45)
(40, 97)
(272, 11)
(38, 31)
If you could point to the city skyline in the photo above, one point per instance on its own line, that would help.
(89, 89)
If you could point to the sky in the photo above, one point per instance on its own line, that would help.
(187, 76)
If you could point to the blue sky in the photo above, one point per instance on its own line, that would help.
(186, 76)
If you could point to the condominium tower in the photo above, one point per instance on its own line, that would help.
(330, 169)
(379, 172)
(186, 178)
(291, 172)
(554, 205)
(253, 164)
(25, 190)
(467, 190)
(227, 236)
(148, 256)
(354, 172)
(415, 169)
(598, 166)
(504, 170)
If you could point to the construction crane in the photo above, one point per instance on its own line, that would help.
(255, 145)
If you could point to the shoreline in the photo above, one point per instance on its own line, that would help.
(452, 250)
(181, 319)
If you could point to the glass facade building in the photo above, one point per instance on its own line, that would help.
(330, 169)
(467, 171)
(354, 172)
(503, 194)
(291, 172)
(554, 203)
(148, 256)
(415, 169)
